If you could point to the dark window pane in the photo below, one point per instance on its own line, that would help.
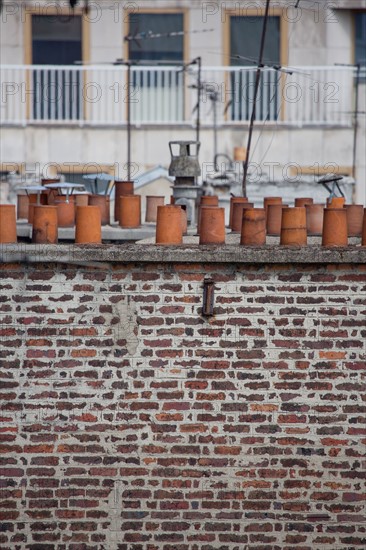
(164, 48)
(56, 40)
(245, 37)
(360, 50)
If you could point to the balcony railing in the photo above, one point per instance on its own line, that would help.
(98, 95)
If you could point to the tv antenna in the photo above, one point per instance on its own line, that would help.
(331, 179)
(150, 34)
(196, 61)
(355, 113)
(213, 96)
(271, 65)
(146, 35)
(256, 90)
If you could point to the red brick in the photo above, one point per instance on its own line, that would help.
(83, 353)
(226, 450)
(70, 514)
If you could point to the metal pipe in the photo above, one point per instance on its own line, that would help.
(128, 121)
(198, 122)
(214, 106)
(355, 122)
(256, 89)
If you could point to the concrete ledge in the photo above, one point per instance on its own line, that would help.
(95, 255)
(109, 232)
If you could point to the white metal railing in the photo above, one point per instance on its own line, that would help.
(98, 95)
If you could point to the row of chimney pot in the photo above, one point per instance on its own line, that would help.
(128, 217)
(335, 222)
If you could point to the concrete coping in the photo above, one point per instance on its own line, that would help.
(96, 255)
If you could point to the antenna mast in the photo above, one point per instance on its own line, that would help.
(256, 90)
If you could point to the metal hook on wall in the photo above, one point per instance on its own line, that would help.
(208, 297)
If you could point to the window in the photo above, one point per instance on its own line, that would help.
(56, 40)
(245, 37)
(360, 38)
(160, 89)
(164, 48)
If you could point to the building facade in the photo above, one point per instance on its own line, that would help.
(66, 103)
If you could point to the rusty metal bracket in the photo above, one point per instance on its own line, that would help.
(208, 297)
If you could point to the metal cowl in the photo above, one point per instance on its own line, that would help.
(185, 164)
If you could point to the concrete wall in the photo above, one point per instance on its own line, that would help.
(12, 34)
(159, 187)
(132, 422)
(290, 151)
(305, 147)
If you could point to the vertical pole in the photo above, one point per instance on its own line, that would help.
(198, 122)
(256, 89)
(128, 120)
(214, 107)
(355, 120)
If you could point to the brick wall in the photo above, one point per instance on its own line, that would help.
(129, 421)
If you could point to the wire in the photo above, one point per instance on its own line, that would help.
(317, 6)
(273, 135)
(293, 70)
(316, 80)
(149, 34)
(267, 118)
(292, 30)
(256, 90)
(137, 62)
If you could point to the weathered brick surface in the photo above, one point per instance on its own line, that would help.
(129, 421)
